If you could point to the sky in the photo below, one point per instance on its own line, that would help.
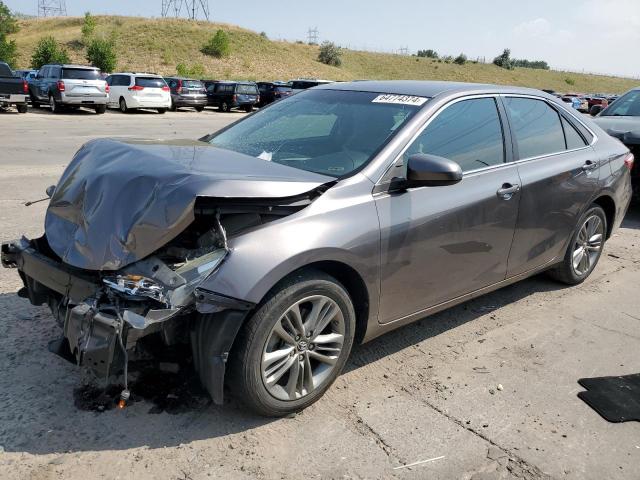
(599, 36)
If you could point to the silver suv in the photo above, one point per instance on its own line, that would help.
(69, 85)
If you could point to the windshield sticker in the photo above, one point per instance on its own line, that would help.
(400, 99)
(265, 156)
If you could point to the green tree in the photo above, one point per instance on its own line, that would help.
(504, 60)
(102, 54)
(460, 59)
(194, 71)
(88, 27)
(8, 25)
(330, 54)
(218, 46)
(428, 53)
(48, 51)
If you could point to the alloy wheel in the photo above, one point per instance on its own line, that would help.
(303, 348)
(588, 245)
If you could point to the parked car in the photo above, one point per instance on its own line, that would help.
(304, 83)
(622, 121)
(186, 92)
(332, 217)
(13, 89)
(28, 75)
(272, 91)
(228, 95)
(573, 102)
(73, 86)
(579, 102)
(131, 91)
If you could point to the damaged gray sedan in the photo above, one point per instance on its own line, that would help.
(328, 218)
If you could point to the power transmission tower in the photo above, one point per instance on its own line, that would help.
(52, 8)
(403, 50)
(192, 8)
(313, 35)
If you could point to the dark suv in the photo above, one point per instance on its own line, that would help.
(186, 92)
(272, 91)
(69, 86)
(228, 95)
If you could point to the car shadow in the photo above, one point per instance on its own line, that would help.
(632, 218)
(49, 405)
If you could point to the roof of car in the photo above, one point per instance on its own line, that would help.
(422, 88)
(71, 65)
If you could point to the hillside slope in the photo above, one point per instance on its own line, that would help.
(158, 45)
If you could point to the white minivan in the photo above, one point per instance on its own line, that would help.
(130, 91)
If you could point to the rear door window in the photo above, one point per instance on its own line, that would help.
(150, 82)
(80, 74)
(468, 132)
(536, 127)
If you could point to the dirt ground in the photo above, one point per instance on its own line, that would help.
(427, 393)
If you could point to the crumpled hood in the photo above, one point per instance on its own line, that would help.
(625, 129)
(118, 201)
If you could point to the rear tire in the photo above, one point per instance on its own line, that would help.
(53, 105)
(34, 102)
(162, 110)
(248, 108)
(199, 109)
(22, 108)
(173, 106)
(123, 105)
(585, 248)
(274, 376)
(224, 107)
(100, 109)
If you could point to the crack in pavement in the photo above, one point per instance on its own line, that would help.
(534, 472)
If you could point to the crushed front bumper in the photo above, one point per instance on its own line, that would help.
(100, 326)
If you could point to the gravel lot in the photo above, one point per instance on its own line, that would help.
(428, 391)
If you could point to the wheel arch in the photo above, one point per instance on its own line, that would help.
(607, 204)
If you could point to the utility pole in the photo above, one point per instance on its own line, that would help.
(403, 50)
(52, 8)
(313, 35)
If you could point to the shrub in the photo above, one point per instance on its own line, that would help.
(101, 53)
(428, 53)
(195, 71)
(218, 46)
(460, 59)
(569, 81)
(447, 59)
(264, 35)
(330, 54)
(88, 27)
(48, 51)
(504, 60)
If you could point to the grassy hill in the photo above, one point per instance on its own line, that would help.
(158, 45)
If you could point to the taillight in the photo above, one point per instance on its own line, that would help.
(628, 161)
(258, 99)
(60, 86)
(107, 88)
(25, 86)
(136, 88)
(166, 89)
(179, 85)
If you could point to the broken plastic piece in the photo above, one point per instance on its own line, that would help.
(124, 398)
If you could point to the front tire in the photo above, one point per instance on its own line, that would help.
(294, 346)
(22, 108)
(585, 248)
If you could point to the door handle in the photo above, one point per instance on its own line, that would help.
(508, 190)
(590, 165)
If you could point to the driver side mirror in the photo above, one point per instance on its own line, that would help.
(432, 171)
(595, 110)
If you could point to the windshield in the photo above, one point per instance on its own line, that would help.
(282, 89)
(627, 105)
(324, 131)
(80, 74)
(150, 82)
